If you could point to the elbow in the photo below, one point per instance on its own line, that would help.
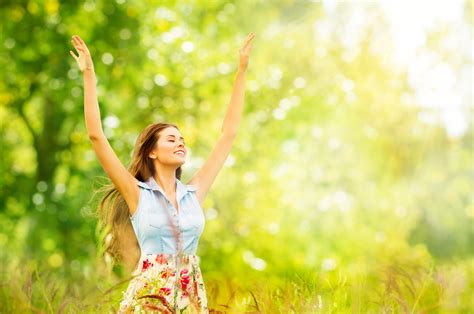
(93, 137)
(227, 131)
(95, 134)
(229, 134)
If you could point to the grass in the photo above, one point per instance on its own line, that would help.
(398, 287)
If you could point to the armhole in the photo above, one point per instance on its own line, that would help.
(196, 201)
(137, 210)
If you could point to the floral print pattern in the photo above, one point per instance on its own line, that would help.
(166, 283)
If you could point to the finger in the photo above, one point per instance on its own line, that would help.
(75, 44)
(76, 37)
(78, 48)
(246, 46)
(81, 41)
(248, 41)
(80, 51)
(83, 46)
(73, 55)
(75, 40)
(78, 43)
(248, 37)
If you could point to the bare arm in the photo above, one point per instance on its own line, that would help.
(91, 105)
(205, 176)
(234, 112)
(118, 174)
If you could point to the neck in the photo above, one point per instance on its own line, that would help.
(166, 178)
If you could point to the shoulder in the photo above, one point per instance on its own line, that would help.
(142, 185)
(191, 187)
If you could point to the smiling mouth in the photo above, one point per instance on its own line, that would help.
(179, 153)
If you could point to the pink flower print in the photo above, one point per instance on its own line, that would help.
(161, 259)
(184, 278)
(165, 291)
(184, 274)
(146, 264)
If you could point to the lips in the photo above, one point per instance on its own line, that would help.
(179, 151)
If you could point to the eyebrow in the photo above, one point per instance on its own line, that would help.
(175, 137)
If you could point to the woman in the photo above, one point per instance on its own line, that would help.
(153, 221)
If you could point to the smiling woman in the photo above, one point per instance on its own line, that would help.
(172, 139)
(152, 220)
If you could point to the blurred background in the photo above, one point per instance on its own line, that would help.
(349, 186)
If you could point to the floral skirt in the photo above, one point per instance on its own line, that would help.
(166, 283)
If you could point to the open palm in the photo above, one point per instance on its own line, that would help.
(84, 60)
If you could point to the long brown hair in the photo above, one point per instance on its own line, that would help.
(117, 236)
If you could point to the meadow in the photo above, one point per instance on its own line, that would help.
(349, 185)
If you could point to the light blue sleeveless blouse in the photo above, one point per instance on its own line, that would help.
(153, 227)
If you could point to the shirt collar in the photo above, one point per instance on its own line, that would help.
(181, 189)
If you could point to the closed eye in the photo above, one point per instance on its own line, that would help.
(171, 138)
(173, 142)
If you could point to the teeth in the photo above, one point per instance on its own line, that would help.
(179, 153)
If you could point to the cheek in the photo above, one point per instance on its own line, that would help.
(166, 147)
(162, 149)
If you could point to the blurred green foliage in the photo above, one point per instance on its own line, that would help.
(336, 197)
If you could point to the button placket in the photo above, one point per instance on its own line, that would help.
(176, 219)
(171, 207)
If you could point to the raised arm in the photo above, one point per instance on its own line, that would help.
(118, 174)
(205, 176)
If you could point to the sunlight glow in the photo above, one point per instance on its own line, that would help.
(435, 82)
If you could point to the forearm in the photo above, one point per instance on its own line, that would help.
(91, 105)
(236, 104)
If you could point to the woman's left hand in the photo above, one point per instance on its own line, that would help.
(245, 51)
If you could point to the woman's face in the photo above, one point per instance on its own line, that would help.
(169, 148)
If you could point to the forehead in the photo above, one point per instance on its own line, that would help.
(170, 131)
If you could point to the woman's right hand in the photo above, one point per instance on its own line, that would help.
(84, 60)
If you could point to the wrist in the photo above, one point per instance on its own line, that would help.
(88, 72)
(242, 69)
